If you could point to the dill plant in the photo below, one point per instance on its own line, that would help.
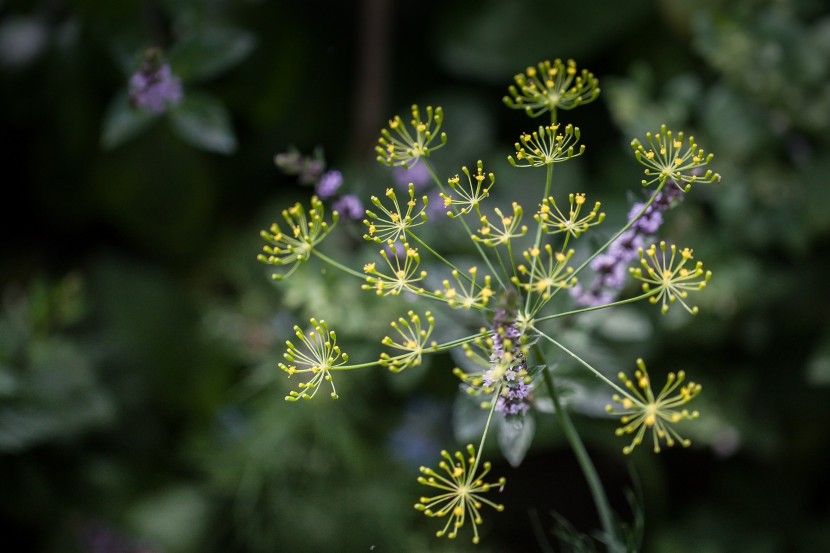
(523, 267)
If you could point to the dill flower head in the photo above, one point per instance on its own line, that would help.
(459, 488)
(403, 267)
(673, 157)
(549, 86)
(507, 227)
(306, 229)
(473, 295)
(413, 342)
(391, 225)
(543, 278)
(640, 411)
(547, 146)
(319, 356)
(668, 278)
(468, 197)
(553, 221)
(398, 146)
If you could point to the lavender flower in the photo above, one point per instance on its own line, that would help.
(509, 366)
(610, 267)
(154, 87)
(328, 185)
(435, 208)
(418, 175)
(349, 207)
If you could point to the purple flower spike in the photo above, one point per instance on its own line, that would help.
(154, 87)
(610, 267)
(329, 183)
(349, 207)
(626, 246)
(515, 398)
(417, 175)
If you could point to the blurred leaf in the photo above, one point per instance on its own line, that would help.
(203, 121)
(468, 418)
(624, 324)
(122, 122)
(56, 396)
(173, 518)
(515, 438)
(210, 52)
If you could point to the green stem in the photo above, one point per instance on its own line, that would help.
(606, 516)
(466, 227)
(620, 232)
(537, 242)
(486, 429)
(596, 307)
(582, 362)
(439, 256)
(338, 265)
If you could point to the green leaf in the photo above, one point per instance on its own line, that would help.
(175, 518)
(468, 418)
(515, 437)
(203, 121)
(122, 122)
(210, 52)
(54, 396)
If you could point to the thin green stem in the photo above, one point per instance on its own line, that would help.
(501, 261)
(431, 349)
(338, 265)
(620, 232)
(439, 256)
(512, 260)
(466, 227)
(582, 362)
(358, 366)
(597, 307)
(606, 516)
(486, 427)
(537, 242)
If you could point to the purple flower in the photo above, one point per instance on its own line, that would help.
(349, 207)
(329, 183)
(514, 399)
(154, 88)
(650, 220)
(610, 270)
(592, 297)
(395, 250)
(435, 208)
(626, 246)
(610, 267)
(417, 175)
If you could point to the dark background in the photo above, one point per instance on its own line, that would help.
(140, 403)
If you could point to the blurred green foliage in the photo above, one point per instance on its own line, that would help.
(140, 404)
